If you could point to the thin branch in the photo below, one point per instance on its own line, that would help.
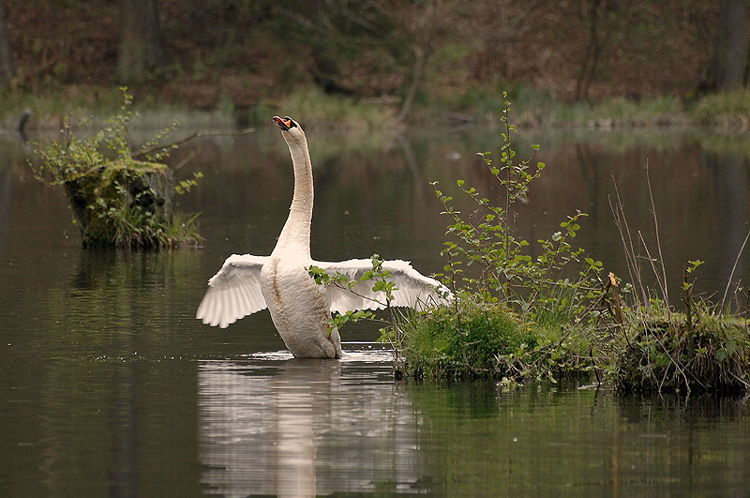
(662, 284)
(658, 240)
(731, 275)
(186, 160)
(621, 221)
(190, 137)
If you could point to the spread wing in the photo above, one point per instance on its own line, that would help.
(234, 292)
(413, 289)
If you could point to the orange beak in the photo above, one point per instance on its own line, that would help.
(282, 123)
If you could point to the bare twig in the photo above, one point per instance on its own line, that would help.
(186, 160)
(192, 136)
(658, 240)
(731, 275)
(660, 279)
(618, 212)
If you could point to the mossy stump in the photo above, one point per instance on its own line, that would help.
(118, 201)
(123, 203)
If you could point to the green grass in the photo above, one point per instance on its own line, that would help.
(728, 110)
(534, 108)
(482, 104)
(449, 344)
(49, 108)
(655, 111)
(482, 339)
(319, 110)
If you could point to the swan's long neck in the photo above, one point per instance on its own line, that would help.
(296, 231)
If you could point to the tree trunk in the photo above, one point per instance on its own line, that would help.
(590, 62)
(6, 56)
(140, 40)
(425, 32)
(420, 64)
(727, 68)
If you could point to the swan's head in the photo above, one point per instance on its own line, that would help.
(290, 130)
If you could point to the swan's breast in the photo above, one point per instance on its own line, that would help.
(299, 308)
(295, 301)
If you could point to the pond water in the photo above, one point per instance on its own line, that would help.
(108, 385)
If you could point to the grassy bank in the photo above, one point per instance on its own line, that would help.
(727, 112)
(479, 338)
(649, 350)
(96, 105)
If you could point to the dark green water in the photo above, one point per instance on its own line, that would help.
(109, 386)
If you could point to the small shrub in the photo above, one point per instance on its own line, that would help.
(487, 257)
(494, 280)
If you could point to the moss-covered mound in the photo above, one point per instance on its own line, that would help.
(126, 203)
(667, 354)
(446, 344)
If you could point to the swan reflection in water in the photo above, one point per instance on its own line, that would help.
(304, 427)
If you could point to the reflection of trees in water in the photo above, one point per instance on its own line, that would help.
(666, 407)
(99, 344)
(700, 442)
(574, 440)
(12, 165)
(6, 184)
(730, 177)
(700, 200)
(303, 428)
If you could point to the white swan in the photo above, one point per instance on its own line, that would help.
(299, 307)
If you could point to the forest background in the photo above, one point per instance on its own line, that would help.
(244, 57)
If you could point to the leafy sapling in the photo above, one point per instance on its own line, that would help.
(381, 282)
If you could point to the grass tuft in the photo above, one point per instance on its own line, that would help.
(666, 354)
(455, 344)
(337, 113)
(726, 110)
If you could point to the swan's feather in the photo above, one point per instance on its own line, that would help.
(413, 289)
(234, 292)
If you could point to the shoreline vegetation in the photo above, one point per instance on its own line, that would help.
(725, 112)
(560, 315)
